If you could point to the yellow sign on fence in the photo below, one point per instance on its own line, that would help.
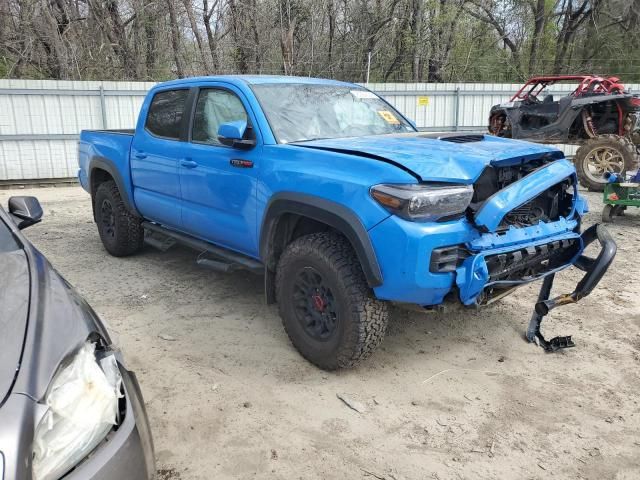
(423, 101)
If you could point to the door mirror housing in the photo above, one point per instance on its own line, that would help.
(26, 211)
(232, 134)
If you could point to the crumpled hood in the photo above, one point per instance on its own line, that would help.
(433, 158)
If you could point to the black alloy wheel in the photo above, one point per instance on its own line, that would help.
(108, 218)
(315, 305)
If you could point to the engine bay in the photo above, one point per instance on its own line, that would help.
(549, 206)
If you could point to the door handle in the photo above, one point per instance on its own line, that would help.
(140, 155)
(188, 163)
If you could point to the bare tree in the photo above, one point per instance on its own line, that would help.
(540, 15)
(487, 12)
(406, 40)
(213, 14)
(175, 38)
(573, 13)
(205, 56)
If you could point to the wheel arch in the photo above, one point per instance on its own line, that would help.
(102, 170)
(290, 214)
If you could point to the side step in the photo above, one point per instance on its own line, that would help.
(211, 256)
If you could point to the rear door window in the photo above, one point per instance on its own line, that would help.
(166, 112)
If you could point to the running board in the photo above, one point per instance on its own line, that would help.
(221, 259)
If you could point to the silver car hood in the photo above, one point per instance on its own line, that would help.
(14, 311)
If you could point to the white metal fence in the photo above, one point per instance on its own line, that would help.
(40, 120)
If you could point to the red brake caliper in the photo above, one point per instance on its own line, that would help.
(318, 302)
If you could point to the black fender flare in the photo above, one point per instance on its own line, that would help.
(105, 164)
(337, 216)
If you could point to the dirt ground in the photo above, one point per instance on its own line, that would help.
(458, 395)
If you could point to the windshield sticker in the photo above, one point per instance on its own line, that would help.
(363, 94)
(389, 117)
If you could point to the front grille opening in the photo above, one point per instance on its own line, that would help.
(531, 262)
(549, 206)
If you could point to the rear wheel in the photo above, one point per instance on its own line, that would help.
(602, 155)
(327, 308)
(499, 126)
(121, 232)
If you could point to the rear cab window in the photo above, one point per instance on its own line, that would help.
(166, 112)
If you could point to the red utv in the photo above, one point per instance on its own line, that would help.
(599, 115)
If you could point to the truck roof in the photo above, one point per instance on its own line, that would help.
(254, 80)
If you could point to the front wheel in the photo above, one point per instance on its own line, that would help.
(327, 308)
(121, 232)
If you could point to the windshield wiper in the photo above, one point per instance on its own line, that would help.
(311, 139)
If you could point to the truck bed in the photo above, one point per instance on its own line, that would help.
(113, 145)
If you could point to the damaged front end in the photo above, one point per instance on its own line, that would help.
(520, 224)
(529, 228)
(529, 219)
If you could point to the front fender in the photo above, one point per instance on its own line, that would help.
(330, 213)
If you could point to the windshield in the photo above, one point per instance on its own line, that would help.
(300, 112)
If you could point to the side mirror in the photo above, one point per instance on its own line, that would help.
(26, 211)
(232, 134)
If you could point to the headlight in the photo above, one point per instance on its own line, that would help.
(82, 403)
(423, 203)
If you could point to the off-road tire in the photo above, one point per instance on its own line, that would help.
(623, 145)
(361, 319)
(126, 235)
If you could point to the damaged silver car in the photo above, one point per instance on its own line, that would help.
(68, 405)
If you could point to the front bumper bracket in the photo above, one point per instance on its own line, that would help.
(595, 270)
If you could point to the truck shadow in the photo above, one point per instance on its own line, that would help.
(241, 294)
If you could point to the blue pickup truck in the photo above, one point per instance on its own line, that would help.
(341, 203)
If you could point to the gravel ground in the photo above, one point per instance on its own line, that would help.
(458, 395)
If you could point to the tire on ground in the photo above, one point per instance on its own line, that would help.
(360, 319)
(622, 145)
(607, 213)
(126, 234)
